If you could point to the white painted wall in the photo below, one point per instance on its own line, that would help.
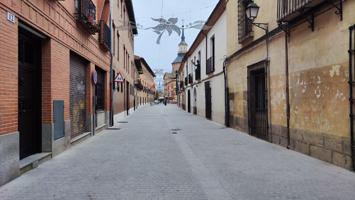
(219, 31)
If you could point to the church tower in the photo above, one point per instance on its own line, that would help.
(182, 50)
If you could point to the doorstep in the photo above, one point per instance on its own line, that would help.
(33, 161)
(80, 138)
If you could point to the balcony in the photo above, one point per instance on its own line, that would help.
(190, 79)
(105, 35)
(291, 10)
(181, 85)
(86, 14)
(198, 73)
(210, 65)
(138, 84)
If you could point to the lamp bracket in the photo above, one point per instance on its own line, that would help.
(338, 7)
(310, 20)
(264, 26)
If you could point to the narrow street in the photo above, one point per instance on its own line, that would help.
(145, 160)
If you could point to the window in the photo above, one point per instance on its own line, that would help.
(114, 40)
(210, 64)
(100, 90)
(244, 24)
(213, 50)
(118, 46)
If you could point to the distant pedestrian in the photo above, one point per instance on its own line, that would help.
(165, 101)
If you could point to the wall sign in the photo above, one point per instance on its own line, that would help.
(119, 78)
(11, 17)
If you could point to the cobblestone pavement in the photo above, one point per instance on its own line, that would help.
(204, 160)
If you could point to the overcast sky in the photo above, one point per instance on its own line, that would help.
(161, 56)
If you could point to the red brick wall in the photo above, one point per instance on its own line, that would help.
(55, 20)
(8, 75)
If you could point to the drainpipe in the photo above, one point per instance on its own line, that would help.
(288, 109)
(226, 95)
(111, 80)
(352, 137)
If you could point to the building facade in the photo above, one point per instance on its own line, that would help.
(124, 70)
(172, 80)
(144, 83)
(204, 70)
(170, 87)
(288, 78)
(55, 72)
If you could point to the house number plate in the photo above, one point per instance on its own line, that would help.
(11, 17)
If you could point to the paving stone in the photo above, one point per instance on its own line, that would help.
(204, 160)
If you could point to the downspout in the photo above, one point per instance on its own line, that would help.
(288, 109)
(226, 95)
(111, 78)
(351, 54)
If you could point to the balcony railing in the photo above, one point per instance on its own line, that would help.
(287, 10)
(210, 65)
(86, 14)
(138, 84)
(105, 35)
(198, 72)
(190, 79)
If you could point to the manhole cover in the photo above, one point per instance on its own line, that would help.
(174, 133)
(175, 129)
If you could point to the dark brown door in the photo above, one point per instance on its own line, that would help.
(78, 88)
(188, 101)
(208, 100)
(258, 112)
(29, 91)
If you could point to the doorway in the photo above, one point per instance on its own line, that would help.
(189, 101)
(195, 102)
(29, 93)
(208, 98)
(257, 102)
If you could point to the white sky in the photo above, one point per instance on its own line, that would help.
(161, 56)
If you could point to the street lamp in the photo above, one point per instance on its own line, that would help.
(252, 12)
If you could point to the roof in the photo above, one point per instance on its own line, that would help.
(179, 58)
(211, 21)
(131, 16)
(142, 60)
(138, 63)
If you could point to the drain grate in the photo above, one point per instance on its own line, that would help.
(122, 122)
(175, 131)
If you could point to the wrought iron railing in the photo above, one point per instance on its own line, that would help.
(190, 79)
(105, 35)
(86, 14)
(198, 72)
(286, 8)
(210, 65)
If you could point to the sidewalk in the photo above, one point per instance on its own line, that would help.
(145, 159)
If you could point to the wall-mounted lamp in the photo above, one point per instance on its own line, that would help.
(252, 12)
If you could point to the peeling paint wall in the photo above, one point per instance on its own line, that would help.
(318, 78)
